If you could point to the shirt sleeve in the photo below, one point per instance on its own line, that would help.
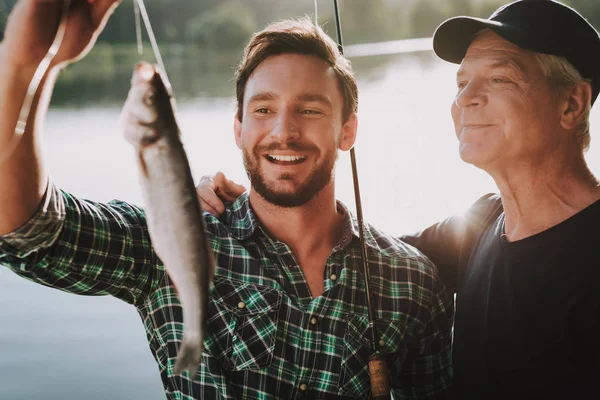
(449, 243)
(427, 368)
(40, 232)
(84, 247)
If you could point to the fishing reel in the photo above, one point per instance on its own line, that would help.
(380, 377)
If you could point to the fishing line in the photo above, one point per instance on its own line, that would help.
(34, 84)
(138, 28)
(144, 14)
(316, 13)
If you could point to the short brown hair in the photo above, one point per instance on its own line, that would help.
(301, 37)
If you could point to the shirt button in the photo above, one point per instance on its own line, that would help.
(303, 387)
(381, 342)
(333, 277)
(241, 304)
(313, 321)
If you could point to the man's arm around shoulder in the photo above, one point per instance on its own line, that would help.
(450, 242)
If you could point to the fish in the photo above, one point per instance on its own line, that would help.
(173, 212)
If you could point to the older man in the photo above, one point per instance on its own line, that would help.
(528, 304)
(525, 263)
(288, 313)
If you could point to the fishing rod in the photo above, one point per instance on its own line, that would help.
(378, 367)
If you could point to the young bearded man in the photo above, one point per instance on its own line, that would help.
(524, 263)
(287, 317)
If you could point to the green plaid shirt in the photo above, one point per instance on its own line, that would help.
(267, 337)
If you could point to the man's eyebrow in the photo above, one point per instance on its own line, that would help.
(263, 96)
(319, 98)
(307, 97)
(514, 64)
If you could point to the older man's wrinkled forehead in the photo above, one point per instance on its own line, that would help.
(490, 46)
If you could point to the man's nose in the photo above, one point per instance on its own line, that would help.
(286, 127)
(472, 95)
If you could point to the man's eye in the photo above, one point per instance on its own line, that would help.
(461, 85)
(310, 112)
(500, 80)
(262, 110)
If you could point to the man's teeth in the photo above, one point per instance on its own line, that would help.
(286, 158)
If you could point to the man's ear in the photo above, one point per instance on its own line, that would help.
(237, 131)
(349, 130)
(578, 100)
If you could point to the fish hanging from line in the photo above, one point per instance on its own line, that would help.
(171, 205)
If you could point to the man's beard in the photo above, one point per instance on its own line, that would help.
(315, 182)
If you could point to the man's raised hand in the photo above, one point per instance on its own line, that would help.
(215, 191)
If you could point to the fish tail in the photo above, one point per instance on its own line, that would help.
(190, 355)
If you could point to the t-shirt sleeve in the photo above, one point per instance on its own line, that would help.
(450, 242)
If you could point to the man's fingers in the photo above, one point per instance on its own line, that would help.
(236, 188)
(206, 207)
(227, 189)
(212, 201)
(209, 200)
(101, 10)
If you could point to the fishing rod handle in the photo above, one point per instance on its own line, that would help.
(380, 377)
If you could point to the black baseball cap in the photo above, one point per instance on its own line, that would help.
(541, 26)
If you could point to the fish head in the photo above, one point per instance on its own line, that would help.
(149, 111)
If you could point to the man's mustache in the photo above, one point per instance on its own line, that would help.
(292, 146)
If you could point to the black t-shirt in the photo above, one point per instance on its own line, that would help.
(527, 321)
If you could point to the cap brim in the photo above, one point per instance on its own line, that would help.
(453, 37)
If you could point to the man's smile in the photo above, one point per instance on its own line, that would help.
(285, 159)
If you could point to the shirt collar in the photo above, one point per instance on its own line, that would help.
(241, 219)
(243, 223)
(350, 230)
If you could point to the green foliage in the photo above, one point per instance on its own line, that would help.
(460, 7)
(425, 17)
(227, 26)
(588, 8)
(373, 15)
(200, 40)
(5, 7)
(486, 8)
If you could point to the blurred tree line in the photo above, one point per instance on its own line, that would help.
(227, 24)
(201, 40)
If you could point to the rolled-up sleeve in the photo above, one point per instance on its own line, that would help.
(84, 247)
(40, 232)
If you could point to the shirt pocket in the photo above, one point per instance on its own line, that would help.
(354, 372)
(242, 324)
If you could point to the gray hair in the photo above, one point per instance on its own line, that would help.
(561, 74)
